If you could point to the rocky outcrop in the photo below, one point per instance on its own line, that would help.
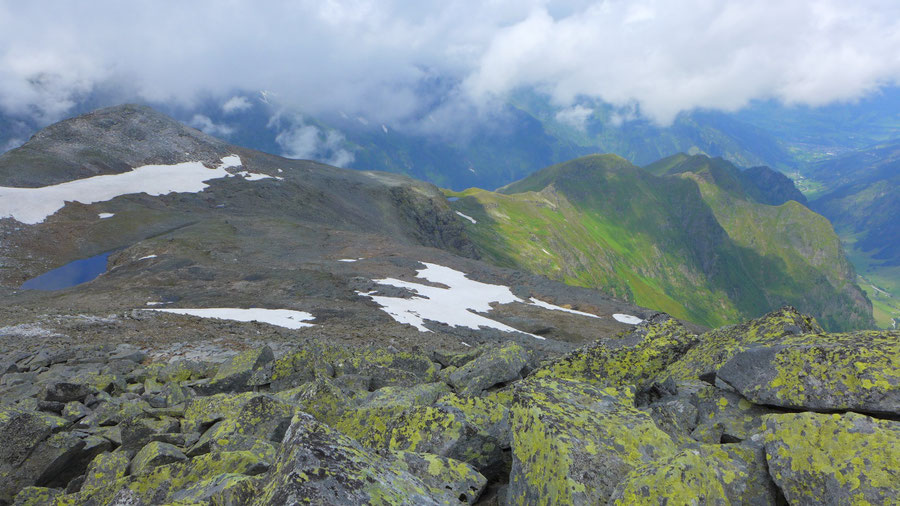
(606, 424)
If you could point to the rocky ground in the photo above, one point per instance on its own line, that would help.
(767, 412)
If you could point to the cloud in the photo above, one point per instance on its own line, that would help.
(207, 126)
(236, 104)
(300, 140)
(575, 116)
(396, 61)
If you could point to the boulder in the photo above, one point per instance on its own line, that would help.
(318, 465)
(36, 496)
(65, 391)
(834, 459)
(573, 442)
(233, 375)
(445, 431)
(724, 416)
(452, 481)
(196, 481)
(716, 347)
(631, 358)
(496, 366)
(703, 474)
(155, 454)
(262, 418)
(855, 371)
(106, 468)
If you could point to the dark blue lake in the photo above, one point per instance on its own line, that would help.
(71, 274)
(452, 199)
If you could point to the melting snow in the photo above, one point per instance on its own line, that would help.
(255, 176)
(627, 318)
(553, 307)
(34, 205)
(455, 305)
(104, 216)
(155, 303)
(281, 317)
(147, 257)
(467, 217)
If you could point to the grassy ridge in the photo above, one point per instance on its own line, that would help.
(679, 243)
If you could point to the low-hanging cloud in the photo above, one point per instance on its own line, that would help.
(380, 59)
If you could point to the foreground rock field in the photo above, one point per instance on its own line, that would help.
(771, 411)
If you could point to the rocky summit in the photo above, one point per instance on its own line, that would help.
(272, 331)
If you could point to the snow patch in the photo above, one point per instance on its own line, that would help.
(281, 317)
(155, 303)
(347, 260)
(148, 257)
(34, 205)
(384, 128)
(554, 307)
(256, 176)
(455, 305)
(627, 318)
(104, 216)
(467, 217)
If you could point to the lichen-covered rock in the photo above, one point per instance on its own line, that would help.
(233, 374)
(857, 371)
(485, 413)
(36, 496)
(456, 482)
(155, 454)
(418, 395)
(319, 465)
(493, 367)
(834, 459)
(106, 468)
(382, 367)
(573, 442)
(188, 482)
(320, 398)
(135, 432)
(75, 411)
(715, 347)
(632, 358)
(262, 418)
(201, 412)
(704, 474)
(724, 416)
(29, 462)
(445, 431)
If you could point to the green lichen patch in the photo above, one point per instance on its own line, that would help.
(834, 459)
(857, 371)
(36, 496)
(444, 431)
(721, 413)
(155, 454)
(632, 359)
(203, 411)
(573, 441)
(106, 468)
(704, 474)
(716, 347)
(319, 465)
(494, 366)
(453, 481)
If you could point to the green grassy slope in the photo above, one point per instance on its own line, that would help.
(666, 242)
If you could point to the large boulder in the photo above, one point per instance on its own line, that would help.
(318, 465)
(573, 442)
(155, 454)
(857, 371)
(454, 481)
(716, 347)
(195, 481)
(496, 366)
(702, 474)
(834, 459)
(234, 374)
(632, 358)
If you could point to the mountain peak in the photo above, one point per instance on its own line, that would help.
(107, 141)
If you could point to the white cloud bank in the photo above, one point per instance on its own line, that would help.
(389, 60)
